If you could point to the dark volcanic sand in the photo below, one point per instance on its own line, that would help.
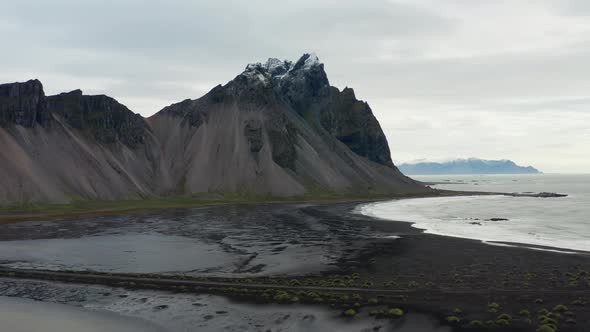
(25, 315)
(312, 240)
(523, 278)
(173, 312)
(221, 241)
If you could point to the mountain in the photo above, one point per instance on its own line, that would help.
(278, 128)
(466, 166)
(58, 148)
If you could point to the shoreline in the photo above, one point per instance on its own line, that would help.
(520, 245)
(422, 258)
(90, 208)
(529, 246)
(94, 208)
(420, 272)
(525, 245)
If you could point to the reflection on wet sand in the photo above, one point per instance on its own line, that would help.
(24, 315)
(176, 312)
(236, 241)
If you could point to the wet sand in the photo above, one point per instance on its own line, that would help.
(24, 315)
(317, 240)
(177, 312)
(219, 241)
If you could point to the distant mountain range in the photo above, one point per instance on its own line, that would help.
(466, 166)
(278, 128)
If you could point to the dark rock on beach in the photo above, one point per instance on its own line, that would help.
(540, 195)
(546, 195)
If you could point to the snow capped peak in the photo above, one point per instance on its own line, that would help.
(256, 71)
(276, 67)
(276, 70)
(312, 59)
(306, 62)
(273, 63)
(253, 66)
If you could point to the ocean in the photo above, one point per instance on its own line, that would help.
(560, 223)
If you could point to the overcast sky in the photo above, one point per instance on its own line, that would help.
(446, 78)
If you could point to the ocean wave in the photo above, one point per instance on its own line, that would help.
(531, 221)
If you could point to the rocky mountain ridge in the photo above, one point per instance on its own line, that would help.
(276, 129)
(23, 104)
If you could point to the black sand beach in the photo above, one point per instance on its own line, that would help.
(464, 284)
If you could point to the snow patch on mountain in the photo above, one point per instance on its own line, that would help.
(277, 69)
(311, 61)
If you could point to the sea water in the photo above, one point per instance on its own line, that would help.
(562, 222)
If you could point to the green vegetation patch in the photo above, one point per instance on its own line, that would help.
(137, 204)
(395, 313)
(524, 313)
(545, 328)
(349, 313)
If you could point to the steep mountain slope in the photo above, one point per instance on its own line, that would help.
(305, 87)
(47, 157)
(278, 128)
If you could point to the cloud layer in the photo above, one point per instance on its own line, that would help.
(446, 78)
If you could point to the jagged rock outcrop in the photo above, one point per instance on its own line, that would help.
(101, 116)
(353, 123)
(278, 128)
(305, 87)
(23, 104)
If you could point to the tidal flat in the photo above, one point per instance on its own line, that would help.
(119, 309)
(440, 283)
(217, 241)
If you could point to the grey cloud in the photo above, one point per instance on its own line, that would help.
(460, 79)
(445, 78)
(573, 7)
